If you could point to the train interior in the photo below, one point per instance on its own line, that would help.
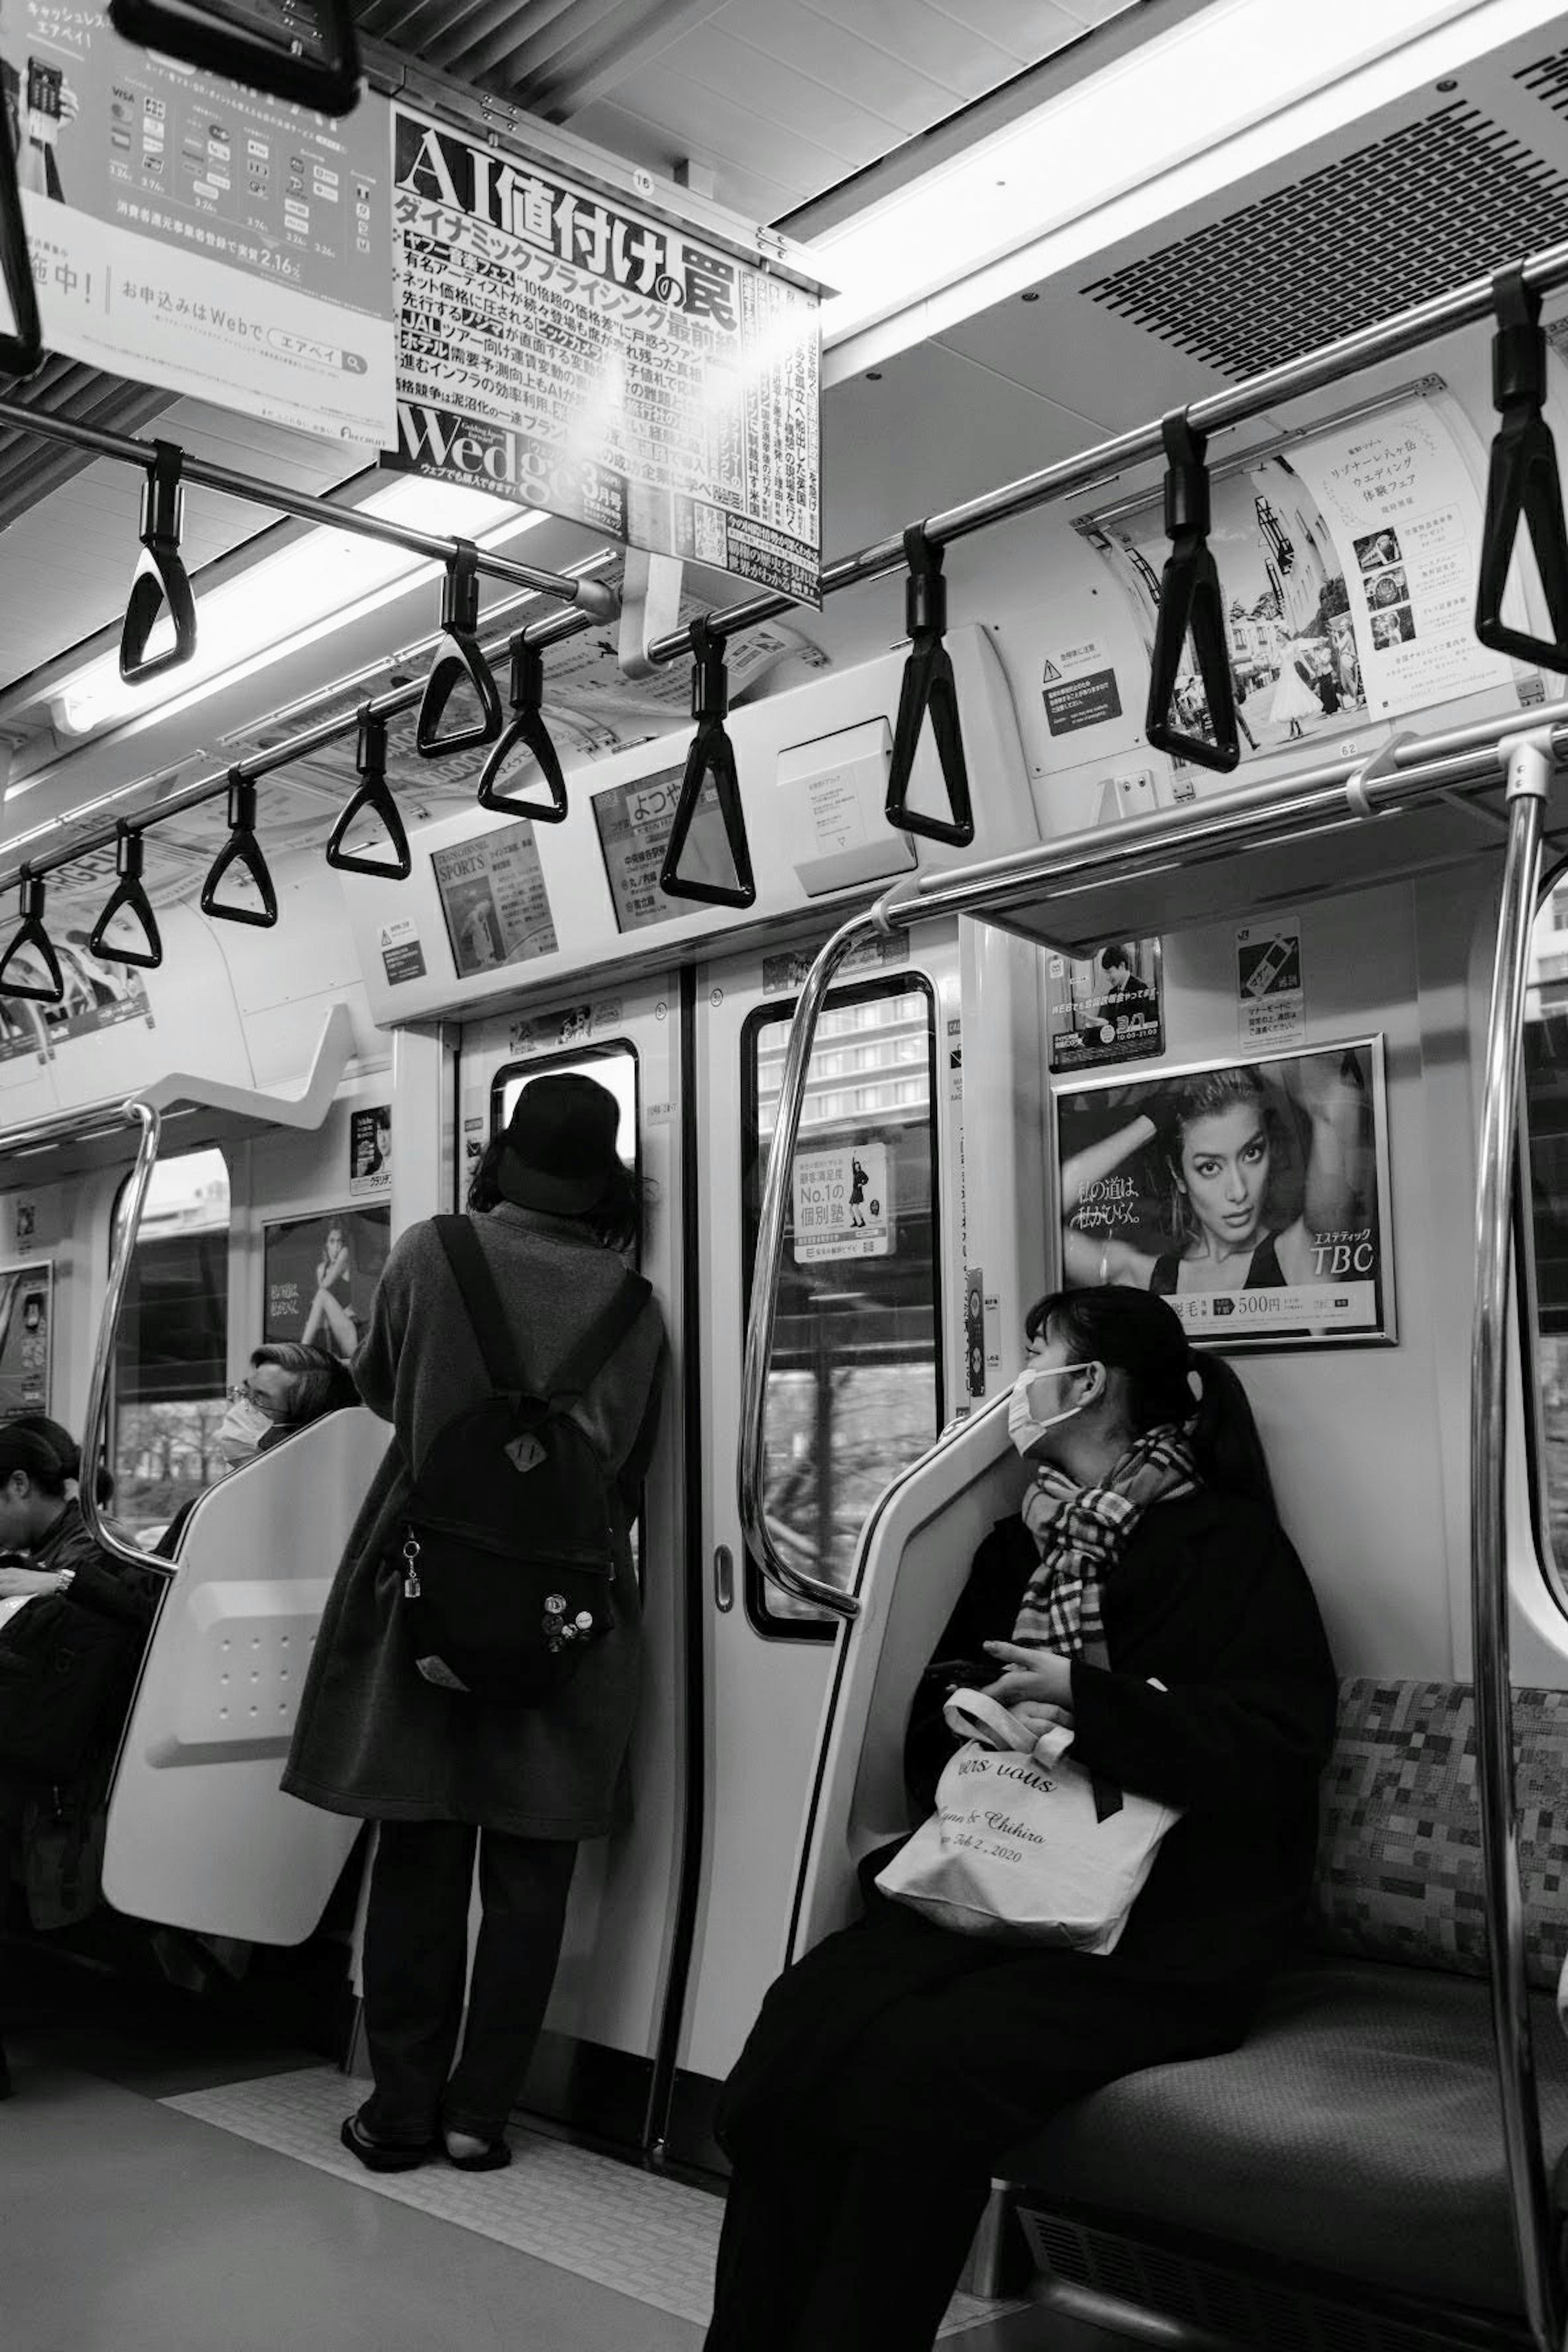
(1039, 231)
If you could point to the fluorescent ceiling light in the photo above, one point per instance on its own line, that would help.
(315, 585)
(1236, 66)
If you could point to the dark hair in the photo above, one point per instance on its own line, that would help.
(1209, 1096)
(321, 1381)
(615, 1220)
(1117, 952)
(66, 1450)
(1132, 1332)
(29, 1448)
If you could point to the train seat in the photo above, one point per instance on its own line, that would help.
(1357, 2132)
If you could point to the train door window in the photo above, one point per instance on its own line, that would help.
(171, 1358)
(615, 1065)
(855, 1381)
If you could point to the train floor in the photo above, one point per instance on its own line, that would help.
(171, 2181)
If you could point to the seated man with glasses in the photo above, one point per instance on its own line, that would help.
(287, 1388)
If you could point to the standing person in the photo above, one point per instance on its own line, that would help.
(439, 1769)
(1147, 1596)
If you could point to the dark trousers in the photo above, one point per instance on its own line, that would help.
(862, 2165)
(416, 1961)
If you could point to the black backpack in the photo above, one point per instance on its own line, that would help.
(65, 1677)
(509, 1549)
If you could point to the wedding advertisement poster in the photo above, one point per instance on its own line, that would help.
(1252, 1195)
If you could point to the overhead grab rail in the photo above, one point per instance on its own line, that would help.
(22, 347)
(463, 662)
(1090, 468)
(1531, 759)
(160, 579)
(928, 690)
(527, 732)
(710, 761)
(242, 849)
(307, 54)
(372, 799)
(1190, 602)
(1523, 484)
(130, 897)
(1248, 818)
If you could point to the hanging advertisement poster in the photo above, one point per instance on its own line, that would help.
(1106, 1006)
(19, 1033)
(576, 354)
(635, 822)
(370, 1150)
(841, 1207)
(1314, 652)
(321, 1273)
(1251, 1195)
(25, 1320)
(200, 237)
(97, 996)
(493, 898)
(1270, 995)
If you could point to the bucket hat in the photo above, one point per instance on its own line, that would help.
(559, 1149)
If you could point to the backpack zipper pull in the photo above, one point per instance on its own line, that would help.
(412, 1588)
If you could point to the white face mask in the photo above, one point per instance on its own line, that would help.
(1029, 1409)
(241, 1431)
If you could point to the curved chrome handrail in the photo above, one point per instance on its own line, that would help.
(94, 1428)
(1530, 762)
(752, 1476)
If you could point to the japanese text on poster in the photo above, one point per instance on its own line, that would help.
(841, 1205)
(194, 234)
(1106, 1006)
(25, 1322)
(1271, 992)
(635, 822)
(493, 897)
(370, 1151)
(577, 355)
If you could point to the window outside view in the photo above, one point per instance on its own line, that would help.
(171, 1357)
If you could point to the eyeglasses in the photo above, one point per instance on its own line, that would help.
(243, 1394)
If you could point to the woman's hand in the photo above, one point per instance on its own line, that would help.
(1037, 1717)
(1029, 1675)
(22, 1583)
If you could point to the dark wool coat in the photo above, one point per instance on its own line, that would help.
(375, 1739)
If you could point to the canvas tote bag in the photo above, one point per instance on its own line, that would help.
(1026, 1851)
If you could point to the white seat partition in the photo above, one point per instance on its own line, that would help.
(200, 1835)
(914, 1560)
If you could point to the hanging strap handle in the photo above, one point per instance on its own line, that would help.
(130, 896)
(529, 732)
(373, 798)
(928, 687)
(503, 1366)
(242, 849)
(161, 575)
(30, 933)
(464, 662)
(1522, 481)
(711, 760)
(1190, 599)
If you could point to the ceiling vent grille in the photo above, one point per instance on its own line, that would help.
(1448, 198)
(1547, 79)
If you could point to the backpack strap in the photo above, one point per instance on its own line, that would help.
(476, 1289)
(601, 1340)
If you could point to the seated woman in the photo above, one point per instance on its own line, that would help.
(1149, 1593)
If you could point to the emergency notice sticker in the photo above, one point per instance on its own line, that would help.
(1270, 996)
(841, 1204)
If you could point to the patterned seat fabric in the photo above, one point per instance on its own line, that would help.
(1399, 1861)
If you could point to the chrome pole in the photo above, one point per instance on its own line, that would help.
(752, 1467)
(1529, 764)
(128, 1226)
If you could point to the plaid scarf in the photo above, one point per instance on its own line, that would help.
(1082, 1533)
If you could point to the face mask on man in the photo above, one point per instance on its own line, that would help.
(1033, 1408)
(241, 1431)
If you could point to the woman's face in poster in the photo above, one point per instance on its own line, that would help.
(1223, 1170)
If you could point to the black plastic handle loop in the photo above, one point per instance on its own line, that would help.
(375, 799)
(710, 761)
(241, 848)
(527, 732)
(161, 576)
(1522, 482)
(1190, 601)
(30, 933)
(319, 67)
(22, 351)
(465, 662)
(129, 898)
(928, 687)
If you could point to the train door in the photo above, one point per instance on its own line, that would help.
(598, 2054)
(861, 1379)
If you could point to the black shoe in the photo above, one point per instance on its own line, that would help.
(4, 2075)
(383, 2155)
(494, 2157)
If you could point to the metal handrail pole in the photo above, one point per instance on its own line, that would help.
(765, 1268)
(596, 602)
(95, 1424)
(1529, 773)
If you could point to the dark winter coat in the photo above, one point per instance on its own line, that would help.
(374, 1738)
